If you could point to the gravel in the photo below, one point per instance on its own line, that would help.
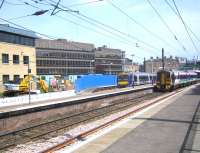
(40, 145)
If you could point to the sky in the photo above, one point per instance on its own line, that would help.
(130, 25)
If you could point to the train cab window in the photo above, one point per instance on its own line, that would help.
(123, 77)
(167, 74)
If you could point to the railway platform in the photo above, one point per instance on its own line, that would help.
(57, 102)
(171, 126)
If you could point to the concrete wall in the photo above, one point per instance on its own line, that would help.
(20, 121)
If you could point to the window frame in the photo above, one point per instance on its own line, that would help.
(3, 60)
(24, 61)
(3, 79)
(14, 60)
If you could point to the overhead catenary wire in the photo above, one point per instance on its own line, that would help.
(40, 2)
(53, 4)
(17, 25)
(41, 34)
(50, 37)
(179, 14)
(14, 4)
(31, 5)
(15, 18)
(2, 3)
(167, 26)
(123, 39)
(175, 12)
(86, 20)
(37, 13)
(110, 27)
(26, 3)
(140, 24)
(84, 3)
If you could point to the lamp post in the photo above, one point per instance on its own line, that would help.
(29, 82)
(110, 68)
(91, 71)
(151, 65)
(132, 62)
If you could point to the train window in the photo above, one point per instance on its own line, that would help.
(123, 77)
(158, 76)
(135, 78)
(167, 74)
(143, 78)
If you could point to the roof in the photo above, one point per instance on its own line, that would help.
(62, 44)
(8, 29)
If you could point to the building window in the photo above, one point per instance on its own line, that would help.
(5, 58)
(26, 59)
(15, 59)
(16, 78)
(16, 39)
(5, 78)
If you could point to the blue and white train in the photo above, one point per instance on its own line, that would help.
(135, 79)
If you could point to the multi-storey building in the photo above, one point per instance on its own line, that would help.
(109, 61)
(153, 65)
(17, 51)
(61, 57)
(130, 66)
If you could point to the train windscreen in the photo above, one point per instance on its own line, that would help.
(123, 77)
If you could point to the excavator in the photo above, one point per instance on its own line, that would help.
(13, 88)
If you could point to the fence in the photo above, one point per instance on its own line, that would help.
(93, 81)
(8, 101)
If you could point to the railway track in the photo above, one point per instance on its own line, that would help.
(53, 128)
(96, 129)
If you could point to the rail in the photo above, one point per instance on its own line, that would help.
(89, 132)
(44, 129)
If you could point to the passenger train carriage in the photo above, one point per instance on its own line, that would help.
(137, 78)
(125, 80)
(170, 80)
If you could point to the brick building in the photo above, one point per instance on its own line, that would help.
(153, 65)
(17, 49)
(129, 66)
(109, 60)
(62, 57)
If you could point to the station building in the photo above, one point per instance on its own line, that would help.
(17, 48)
(130, 66)
(109, 60)
(62, 57)
(152, 65)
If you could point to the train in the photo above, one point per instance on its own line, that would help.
(170, 80)
(135, 79)
(163, 80)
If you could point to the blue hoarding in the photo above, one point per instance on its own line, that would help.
(94, 81)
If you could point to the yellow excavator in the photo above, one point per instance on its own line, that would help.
(12, 88)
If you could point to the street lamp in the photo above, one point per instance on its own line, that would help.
(29, 82)
(91, 71)
(151, 65)
(110, 68)
(132, 61)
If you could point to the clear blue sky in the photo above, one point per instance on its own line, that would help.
(103, 11)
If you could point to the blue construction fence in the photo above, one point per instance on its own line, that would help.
(93, 81)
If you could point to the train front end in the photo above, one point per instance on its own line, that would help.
(163, 82)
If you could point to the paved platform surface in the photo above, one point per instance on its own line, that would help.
(170, 127)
